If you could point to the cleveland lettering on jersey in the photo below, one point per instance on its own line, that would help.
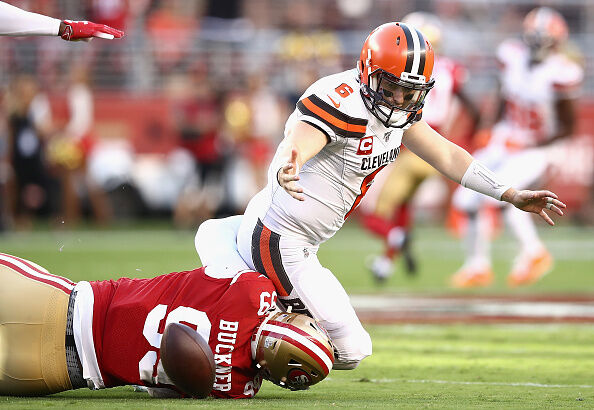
(377, 161)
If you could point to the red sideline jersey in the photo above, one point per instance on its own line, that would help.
(130, 315)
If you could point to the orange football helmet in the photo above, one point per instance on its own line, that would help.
(544, 29)
(292, 350)
(395, 70)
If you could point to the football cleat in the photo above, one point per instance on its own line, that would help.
(395, 69)
(530, 268)
(292, 350)
(469, 277)
(381, 268)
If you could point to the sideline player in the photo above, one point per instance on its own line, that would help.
(345, 129)
(537, 108)
(56, 335)
(385, 211)
(17, 22)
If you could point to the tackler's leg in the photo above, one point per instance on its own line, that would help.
(33, 310)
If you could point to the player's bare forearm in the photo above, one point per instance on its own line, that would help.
(442, 154)
(301, 143)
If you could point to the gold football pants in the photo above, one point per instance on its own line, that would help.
(33, 308)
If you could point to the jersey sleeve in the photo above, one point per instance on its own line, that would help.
(18, 22)
(507, 51)
(332, 105)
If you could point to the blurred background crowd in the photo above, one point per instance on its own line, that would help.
(181, 117)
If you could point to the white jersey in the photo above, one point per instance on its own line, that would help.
(530, 92)
(337, 178)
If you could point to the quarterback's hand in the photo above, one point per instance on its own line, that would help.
(86, 30)
(288, 174)
(535, 202)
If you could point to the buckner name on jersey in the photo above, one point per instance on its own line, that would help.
(226, 312)
(337, 178)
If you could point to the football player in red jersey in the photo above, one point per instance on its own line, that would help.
(386, 209)
(17, 22)
(64, 335)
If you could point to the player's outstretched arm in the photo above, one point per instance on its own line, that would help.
(458, 165)
(301, 143)
(17, 22)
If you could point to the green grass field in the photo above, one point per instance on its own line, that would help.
(413, 366)
(419, 366)
(152, 249)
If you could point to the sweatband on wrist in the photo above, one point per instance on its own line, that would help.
(480, 179)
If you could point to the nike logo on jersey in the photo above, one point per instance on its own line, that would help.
(380, 160)
(337, 105)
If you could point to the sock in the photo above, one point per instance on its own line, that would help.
(524, 230)
(477, 241)
(377, 225)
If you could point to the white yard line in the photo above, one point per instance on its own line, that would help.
(474, 306)
(568, 386)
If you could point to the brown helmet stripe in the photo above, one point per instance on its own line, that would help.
(423, 53)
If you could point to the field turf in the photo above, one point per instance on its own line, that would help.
(413, 366)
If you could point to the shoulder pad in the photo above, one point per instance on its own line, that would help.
(335, 102)
(340, 123)
(509, 50)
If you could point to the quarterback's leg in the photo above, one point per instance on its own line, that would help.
(216, 244)
(305, 286)
(33, 313)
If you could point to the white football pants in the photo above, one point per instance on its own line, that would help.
(302, 283)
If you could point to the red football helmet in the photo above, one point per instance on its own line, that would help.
(395, 73)
(544, 29)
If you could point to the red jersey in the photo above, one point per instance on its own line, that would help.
(130, 315)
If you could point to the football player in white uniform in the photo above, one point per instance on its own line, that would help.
(345, 129)
(385, 211)
(17, 22)
(539, 87)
